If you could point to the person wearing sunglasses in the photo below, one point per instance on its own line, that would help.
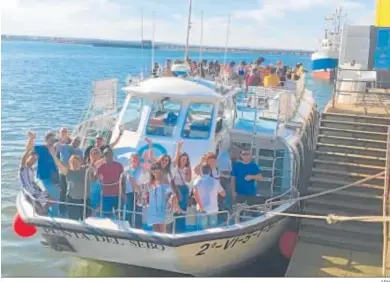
(159, 196)
(99, 143)
(245, 173)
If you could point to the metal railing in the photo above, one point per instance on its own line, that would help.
(359, 87)
(386, 212)
(292, 171)
(292, 194)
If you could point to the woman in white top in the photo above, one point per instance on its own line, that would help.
(182, 175)
(165, 161)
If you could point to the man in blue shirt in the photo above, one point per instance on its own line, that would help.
(47, 173)
(245, 173)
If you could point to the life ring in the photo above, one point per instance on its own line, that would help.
(156, 147)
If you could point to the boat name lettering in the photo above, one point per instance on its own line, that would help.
(231, 242)
(105, 239)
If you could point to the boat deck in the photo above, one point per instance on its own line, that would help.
(313, 260)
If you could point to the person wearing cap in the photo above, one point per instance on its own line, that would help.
(110, 174)
(272, 79)
(65, 151)
(47, 173)
(99, 143)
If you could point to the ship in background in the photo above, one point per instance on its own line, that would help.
(325, 60)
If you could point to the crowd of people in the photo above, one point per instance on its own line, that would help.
(252, 74)
(76, 184)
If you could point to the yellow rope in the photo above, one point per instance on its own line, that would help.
(332, 218)
(328, 191)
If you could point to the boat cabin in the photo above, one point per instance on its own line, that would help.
(167, 110)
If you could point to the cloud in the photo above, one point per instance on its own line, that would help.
(271, 9)
(120, 20)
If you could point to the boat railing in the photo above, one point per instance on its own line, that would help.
(360, 87)
(241, 212)
(103, 105)
(291, 193)
(37, 204)
(291, 173)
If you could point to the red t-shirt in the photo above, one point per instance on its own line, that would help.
(110, 174)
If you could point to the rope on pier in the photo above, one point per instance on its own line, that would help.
(328, 191)
(332, 218)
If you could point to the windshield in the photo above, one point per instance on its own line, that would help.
(198, 121)
(132, 115)
(163, 117)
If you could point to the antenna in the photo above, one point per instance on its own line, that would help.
(142, 42)
(201, 36)
(227, 40)
(188, 32)
(153, 40)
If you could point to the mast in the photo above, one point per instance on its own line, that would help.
(142, 43)
(153, 25)
(227, 40)
(201, 36)
(188, 32)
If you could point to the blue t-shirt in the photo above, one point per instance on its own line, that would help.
(136, 174)
(46, 166)
(66, 150)
(240, 170)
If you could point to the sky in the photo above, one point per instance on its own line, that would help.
(287, 24)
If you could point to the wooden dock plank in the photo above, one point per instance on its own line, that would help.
(310, 260)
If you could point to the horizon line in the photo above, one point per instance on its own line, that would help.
(139, 41)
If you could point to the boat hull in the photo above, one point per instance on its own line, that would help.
(324, 74)
(198, 259)
(324, 65)
(203, 253)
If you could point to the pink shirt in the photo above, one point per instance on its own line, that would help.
(110, 174)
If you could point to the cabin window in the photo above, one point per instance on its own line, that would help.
(228, 116)
(132, 116)
(163, 117)
(198, 121)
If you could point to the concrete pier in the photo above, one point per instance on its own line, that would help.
(353, 144)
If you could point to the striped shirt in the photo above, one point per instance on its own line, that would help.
(26, 177)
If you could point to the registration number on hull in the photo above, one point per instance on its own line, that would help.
(232, 242)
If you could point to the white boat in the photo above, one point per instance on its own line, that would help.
(181, 68)
(325, 60)
(279, 129)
